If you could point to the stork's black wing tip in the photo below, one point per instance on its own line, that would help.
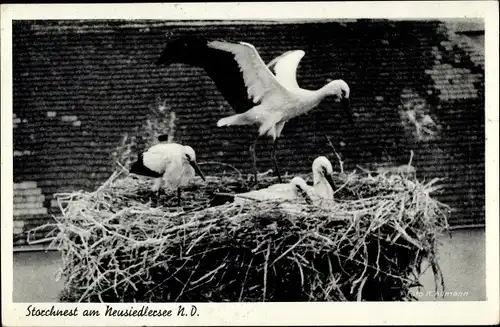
(165, 57)
(160, 62)
(135, 168)
(139, 168)
(184, 49)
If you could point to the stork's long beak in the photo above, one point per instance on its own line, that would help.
(329, 179)
(346, 103)
(197, 169)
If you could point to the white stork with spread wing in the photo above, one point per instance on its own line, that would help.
(257, 95)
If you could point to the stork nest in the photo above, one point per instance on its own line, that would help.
(367, 245)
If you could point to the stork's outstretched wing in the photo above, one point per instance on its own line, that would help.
(235, 67)
(285, 67)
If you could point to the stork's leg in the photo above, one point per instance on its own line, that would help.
(179, 197)
(276, 168)
(157, 188)
(278, 129)
(254, 159)
(158, 194)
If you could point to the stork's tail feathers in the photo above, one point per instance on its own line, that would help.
(238, 119)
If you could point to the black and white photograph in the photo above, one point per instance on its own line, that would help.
(230, 160)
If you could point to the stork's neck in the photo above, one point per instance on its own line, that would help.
(323, 187)
(322, 93)
(317, 178)
(306, 101)
(329, 88)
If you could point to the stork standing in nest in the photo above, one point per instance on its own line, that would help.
(173, 165)
(264, 95)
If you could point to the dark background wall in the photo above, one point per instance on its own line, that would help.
(79, 85)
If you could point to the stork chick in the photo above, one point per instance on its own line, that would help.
(323, 184)
(322, 188)
(295, 189)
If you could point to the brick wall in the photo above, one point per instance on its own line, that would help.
(78, 86)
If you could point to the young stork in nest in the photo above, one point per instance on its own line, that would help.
(322, 188)
(297, 188)
(173, 165)
(264, 95)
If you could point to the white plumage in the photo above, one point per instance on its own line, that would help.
(280, 98)
(173, 165)
(285, 68)
(323, 184)
(282, 192)
(297, 189)
(257, 95)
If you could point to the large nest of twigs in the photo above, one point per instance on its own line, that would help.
(369, 244)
